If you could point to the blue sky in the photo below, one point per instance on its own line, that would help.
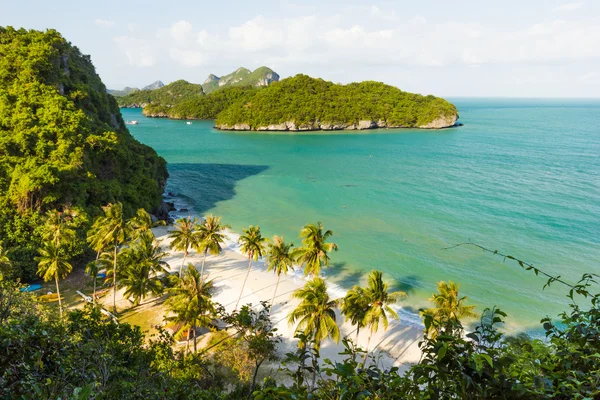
(509, 48)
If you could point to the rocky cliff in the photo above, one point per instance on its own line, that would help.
(262, 76)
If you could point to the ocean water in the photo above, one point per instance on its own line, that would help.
(521, 176)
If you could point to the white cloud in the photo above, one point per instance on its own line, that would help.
(568, 6)
(139, 53)
(104, 23)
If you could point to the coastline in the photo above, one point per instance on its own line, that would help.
(398, 346)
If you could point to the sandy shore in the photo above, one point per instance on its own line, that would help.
(398, 346)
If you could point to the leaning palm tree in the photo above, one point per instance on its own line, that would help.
(314, 251)
(279, 260)
(143, 263)
(140, 223)
(92, 269)
(53, 265)
(190, 302)
(449, 309)
(211, 238)
(110, 230)
(379, 305)
(253, 245)
(315, 314)
(4, 261)
(184, 236)
(354, 307)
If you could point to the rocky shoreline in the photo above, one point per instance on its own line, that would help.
(290, 126)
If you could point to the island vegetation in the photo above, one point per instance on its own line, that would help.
(83, 200)
(166, 95)
(260, 77)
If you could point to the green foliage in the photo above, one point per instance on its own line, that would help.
(166, 96)
(240, 77)
(306, 101)
(63, 144)
(315, 249)
(209, 106)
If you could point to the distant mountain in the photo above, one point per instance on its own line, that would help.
(118, 93)
(262, 76)
(154, 86)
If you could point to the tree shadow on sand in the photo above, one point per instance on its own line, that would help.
(215, 182)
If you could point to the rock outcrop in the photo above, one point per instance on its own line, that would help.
(439, 123)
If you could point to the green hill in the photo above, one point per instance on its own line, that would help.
(262, 76)
(305, 103)
(63, 143)
(167, 95)
(124, 92)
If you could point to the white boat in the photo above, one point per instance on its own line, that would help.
(131, 122)
(188, 122)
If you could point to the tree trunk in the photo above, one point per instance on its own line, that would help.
(356, 342)
(258, 364)
(95, 278)
(367, 349)
(183, 262)
(58, 293)
(115, 280)
(202, 270)
(194, 332)
(274, 293)
(244, 285)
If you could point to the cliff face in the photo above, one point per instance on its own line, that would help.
(262, 76)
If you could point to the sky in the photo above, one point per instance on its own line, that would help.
(525, 48)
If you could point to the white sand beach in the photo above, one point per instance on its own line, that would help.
(398, 346)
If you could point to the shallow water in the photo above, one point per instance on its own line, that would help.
(521, 176)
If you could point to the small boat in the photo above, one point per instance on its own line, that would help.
(188, 122)
(131, 122)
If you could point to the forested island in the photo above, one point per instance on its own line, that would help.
(76, 192)
(299, 103)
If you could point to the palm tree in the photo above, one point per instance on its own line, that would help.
(110, 230)
(143, 262)
(315, 314)
(92, 269)
(4, 260)
(211, 238)
(252, 245)
(184, 236)
(379, 305)
(53, 265)
(57, 227)
(190, 302)
(140, 223)
(448, 310)
(314, 251)
(279, 260)
(354, 307)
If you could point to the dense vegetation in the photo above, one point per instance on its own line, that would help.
(63, 145)
(308, 102)
(240, 77)
(205, 107)
(166, 96)
(123, 92)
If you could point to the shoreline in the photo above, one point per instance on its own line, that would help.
(398, 346)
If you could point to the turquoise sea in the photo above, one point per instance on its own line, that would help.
(521, 176)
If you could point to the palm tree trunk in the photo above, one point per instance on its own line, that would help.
(115, 280)
(202, 270)
(183, 262)
(58, 293)
(194, 332)
(244, 285)
(356, 342)
(95, 278)
(274, 293)
(367, 349)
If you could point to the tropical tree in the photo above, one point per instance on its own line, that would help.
(110, 230)
(57, 227)
(279, 260)
(143, 263)
(53, 265)
(190, 302)
(379, 304)
(448, 309)
(314, 251)
(315, 314)
(92, 269)
(253, 245)
(4, 261)
(140, 223)
(354, 307)
(211, 238)
(184, 236)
